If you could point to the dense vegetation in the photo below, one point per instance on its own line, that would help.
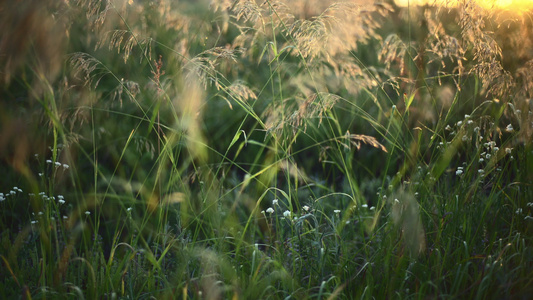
(265, 149)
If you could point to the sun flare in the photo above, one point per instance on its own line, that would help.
(515, 5)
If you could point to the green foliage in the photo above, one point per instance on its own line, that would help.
(265, 149)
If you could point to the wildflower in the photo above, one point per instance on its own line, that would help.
(459, 171)
(496, 149)
(275, 202)
(481, 159)
(396, 200)
(467, 116)
(270, 210)
(306, 208)
(33, 222)
(286, 214)
(509, 128)
(469, 122)
(48, 161)
(519, 211)
(58, 164)
(87, 212)
(481, 171)
(12, 192)
(487, 156)
(464, 138)
(508, 150)
(61, 201)
(65, 217)
(476, 129)
(40, 174)
(337, 211)
(364, 205)
(65, 166)
(129, 209)
(459, 123)
(372, 208)
(448, 127)
(528, 218)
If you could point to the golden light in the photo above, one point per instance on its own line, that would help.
(514, 5)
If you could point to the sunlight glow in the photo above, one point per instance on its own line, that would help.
(515, 5)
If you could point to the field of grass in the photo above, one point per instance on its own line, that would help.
(265, 150)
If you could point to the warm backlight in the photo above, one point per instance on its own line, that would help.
(516, 5)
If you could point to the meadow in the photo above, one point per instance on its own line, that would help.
(265, 150)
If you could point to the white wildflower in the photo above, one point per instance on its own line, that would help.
(270, 210)
(287, 214)
(509, 128)
(275, 202)
(306, 208)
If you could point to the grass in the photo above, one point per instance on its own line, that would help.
(252, 150)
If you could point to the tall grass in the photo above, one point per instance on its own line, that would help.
(265, 149)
